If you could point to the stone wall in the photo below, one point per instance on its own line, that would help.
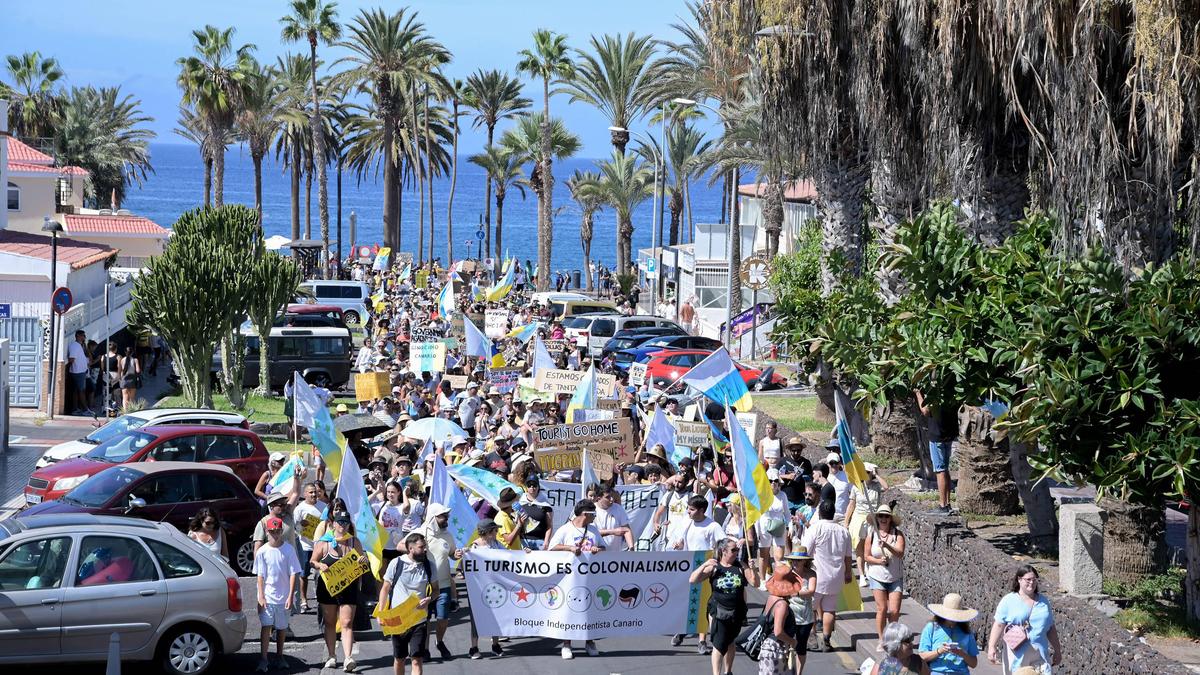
(942, 556)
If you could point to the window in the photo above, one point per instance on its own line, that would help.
(14, 197)
(182, 449)
(640, 323)
(326, 291)
(224, 447)
(168, 489)
(213, 488)
(352, 292)
(289, 348)
(174, 563)
(252, 347)
(603, 327)
(35, 564)
(113, 560)
(326, 346)
(120, 448)
(712, 286)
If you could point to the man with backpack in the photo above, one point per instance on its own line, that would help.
(410, 574)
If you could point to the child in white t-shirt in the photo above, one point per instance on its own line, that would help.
(276, 566)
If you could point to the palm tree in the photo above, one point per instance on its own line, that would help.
(585, 190)
(339, 145)
(686, 153)
(260, 121)
(458, 94)
(387, 51)
(36, 103)
(214, 81)
(503, 169)
(100, 130)
(495, 96)
(549, 61)
(617, 78)
(315, 21)
(294, 143)
(191, 127)
(526, 141)
(624, 183)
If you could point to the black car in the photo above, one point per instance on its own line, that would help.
(633, 337)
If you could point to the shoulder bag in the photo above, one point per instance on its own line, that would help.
(751, 640)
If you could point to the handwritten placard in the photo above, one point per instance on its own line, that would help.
(637, 374)
(425, 334)
(504, 380)
(691, 434)
(565, 381)
(370, 386)
(457, 382)
(614, 435)
(555, 347)
(342, 573)
(427, 357)
(308, 526)
(495, 323)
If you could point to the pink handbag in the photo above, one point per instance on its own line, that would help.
(1015, 635)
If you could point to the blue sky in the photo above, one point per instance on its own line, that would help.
(134, 43)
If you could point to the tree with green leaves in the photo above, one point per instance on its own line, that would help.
(526, 141)
(214, 81)
(495, 96)
(316, 22)
(36, 103)
(192, 129)
(261, 120)
(275, 280)
(503, 169)
(585, 190)
(624, 184)
(549, 60)
(617, 77)
(101, 130)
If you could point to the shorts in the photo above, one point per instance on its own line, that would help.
(723, 632)
(273, 616)
(886, 586)
(305, 562)
(441, 605)
(766, 540)
(825, 602)
(78, 380)
(939, 455)
(411, 644)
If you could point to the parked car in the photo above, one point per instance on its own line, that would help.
(665, 368)
(633, 337)
(641, 353)
(135, 420)
(350, 296)
(309, 321)
(579, 327)
(169, 492)
(69, 581)
(331, 311)
(238, 449)
(322, 356)
(567, 308)
(604, 330)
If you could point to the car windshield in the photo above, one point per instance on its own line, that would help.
(121, 448)
(115, 428)
(576, 322)
(99, 489)
(624, 357)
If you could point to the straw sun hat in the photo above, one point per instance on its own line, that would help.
(884, 510)
(951, 609)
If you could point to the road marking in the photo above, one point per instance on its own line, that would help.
(15, 440)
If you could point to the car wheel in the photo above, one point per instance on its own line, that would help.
(350, 316)
(320, 380)
(187, 650)
(244, 560)
(756, 385)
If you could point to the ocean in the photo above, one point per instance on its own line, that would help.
(177, 185)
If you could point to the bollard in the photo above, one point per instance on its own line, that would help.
(114, 655)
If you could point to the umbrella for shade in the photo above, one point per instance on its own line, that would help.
(360, 423)
(437, 428)
(276, 242)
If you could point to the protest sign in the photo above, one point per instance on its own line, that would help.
(557, 459)
(400, 619)
(308, 525)
(457, 382)
(749, 422)
(637, 374)
(368, 386)
(566, 597)
(593, 415)
(614, 436)
(421, 280)
(495, 323)
(610, 404)
(691, 434)
(602, 463)
(424, 334)
(342, 573)
(456, 326)
(565, 381)
(504, 380)
(555, 347)
(639, 501)
(427, 357)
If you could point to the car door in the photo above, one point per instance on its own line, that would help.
(231, 451)
(31, 596)
(115, 588)
(169, 497)
(601, 331)
(176, 449)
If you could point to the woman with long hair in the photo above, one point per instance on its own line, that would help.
(947, 644)
(1023, 628)
(883, 554)
(728, 577)
(130, 369)
(335, 545)
(205, 529)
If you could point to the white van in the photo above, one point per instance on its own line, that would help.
(350, 296)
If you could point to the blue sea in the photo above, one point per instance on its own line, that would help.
(177, 185)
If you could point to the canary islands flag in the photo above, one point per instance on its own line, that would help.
(584, 397)
(751, 476)
(504, 285)
(718, 378)
(442, 490)
(289, 477)
(480, 345)
(851, 462)
(311, 412)
(482, 482)
(445, 300)
(351, 490)
(523, 333)
(718, 438)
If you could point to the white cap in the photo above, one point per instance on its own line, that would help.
(833, 457)
(772, 474)
(278, 457)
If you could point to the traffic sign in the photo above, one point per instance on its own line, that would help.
(364, 251)
(479, 234)
(61, 300)
(5, 310)
(652, 268)
(755, 271)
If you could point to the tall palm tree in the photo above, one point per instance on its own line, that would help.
(617, 77)
(192, 128)
(624, 184)
(549, 61)
(34, 87)
(315, 21)
(100, 130)
(294, 143)
(503, 169)
(386, 51)
(495, 96)
(585, 190)
(213, 79)
(526, 141)
(458, 94)
(261, 120)
(686, 154)
(339, 119)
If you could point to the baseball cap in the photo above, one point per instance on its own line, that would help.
(341, 407)
(278, 457)
(833, 457)
(274, 523)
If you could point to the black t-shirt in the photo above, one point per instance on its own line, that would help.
(943, 423)
(829, 493)
(794, 489)
(729, 588)
(540, 515)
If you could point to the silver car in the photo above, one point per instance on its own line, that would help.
(68, 582)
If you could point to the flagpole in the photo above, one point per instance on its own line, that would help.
(295, 426)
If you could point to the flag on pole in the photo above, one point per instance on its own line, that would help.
(442, 490)
(751, 476)
(351, 490)
(311, 412)
(587, 474)
(478, 344)
(445, 300)
(482, 482)
(381, 259)
(407, 273)
(584, 397)
(523, 333)
(720, 442)
(541, 356)
(718, 378)
(856, 473)
(660, 430)
(287, 479)
(504, 285)
(427, 451)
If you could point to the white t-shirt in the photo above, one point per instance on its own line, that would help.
(841, 486)
(570, 535)
(302, 511)
(829, 544)
(275, 564)
(80, 363)
(705, 535)
(612, 518)
(392, 519)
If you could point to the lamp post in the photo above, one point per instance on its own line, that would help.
(52, 226)
(653, 216)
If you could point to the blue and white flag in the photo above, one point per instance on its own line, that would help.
(541, 356)
(288, 478)
(442, 490)
(478, 344)
(718, 378)
(311, 412)
(445, 299)
(353, 492)
(587, 475)
(661, 430)
(482, 482)
(584, 397)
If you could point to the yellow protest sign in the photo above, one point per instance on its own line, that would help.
(342, 573)
(308, 526)
(402, 618)
(368, 386)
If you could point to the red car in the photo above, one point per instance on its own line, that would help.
(331, 311)
(238, 449)
(667, 366)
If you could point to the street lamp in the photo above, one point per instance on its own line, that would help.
(53, 227)
(654, 215)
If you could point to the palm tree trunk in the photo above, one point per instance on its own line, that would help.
(585, 236)
(546, 240)
(625, 232)
(487, 200)
(1134, 540)
(985, 483)
(1192, 585)
(896, 201)
(391, 218)
(339, 212)
(841, 188)
(735, 249)
(258, 186)
(295, 186)
(308, 176)
(773, 211)
(421, 213)
(208, 171)
(453, 184)
(1040, 515)
(687, 194)
(319, 153)
(429, 176)
(499, 220)
(894, 429)
(676, 214)
(219, 177)
(724, 197)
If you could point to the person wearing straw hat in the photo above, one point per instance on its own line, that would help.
(947, 644)
(801, 605)
(784, 636)
(512, 523)
(883, 553)
(728, 578)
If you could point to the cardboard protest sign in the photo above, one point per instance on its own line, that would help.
(504, 380)
(608, 404)
(614, 436)
(565, 381)
(555, 347)
(602, 463)
(427, 357)
(637, 374)
(457, 382)
(691, 434)
(749, 422)
(343, 572)
(495, 323)
(368, 386)
(424, 334)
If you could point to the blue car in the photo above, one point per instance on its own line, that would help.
(641, 353)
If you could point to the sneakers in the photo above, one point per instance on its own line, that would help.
(474, 654)
(943, 511)
(567, 654)
(862, 580)
(822, 643)
(590, 646)
(444, 651)
(349, 666)
(263, 666)
(702, 648)
(829, 647)
(677, 639)
(497, 649)
(331, 663)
